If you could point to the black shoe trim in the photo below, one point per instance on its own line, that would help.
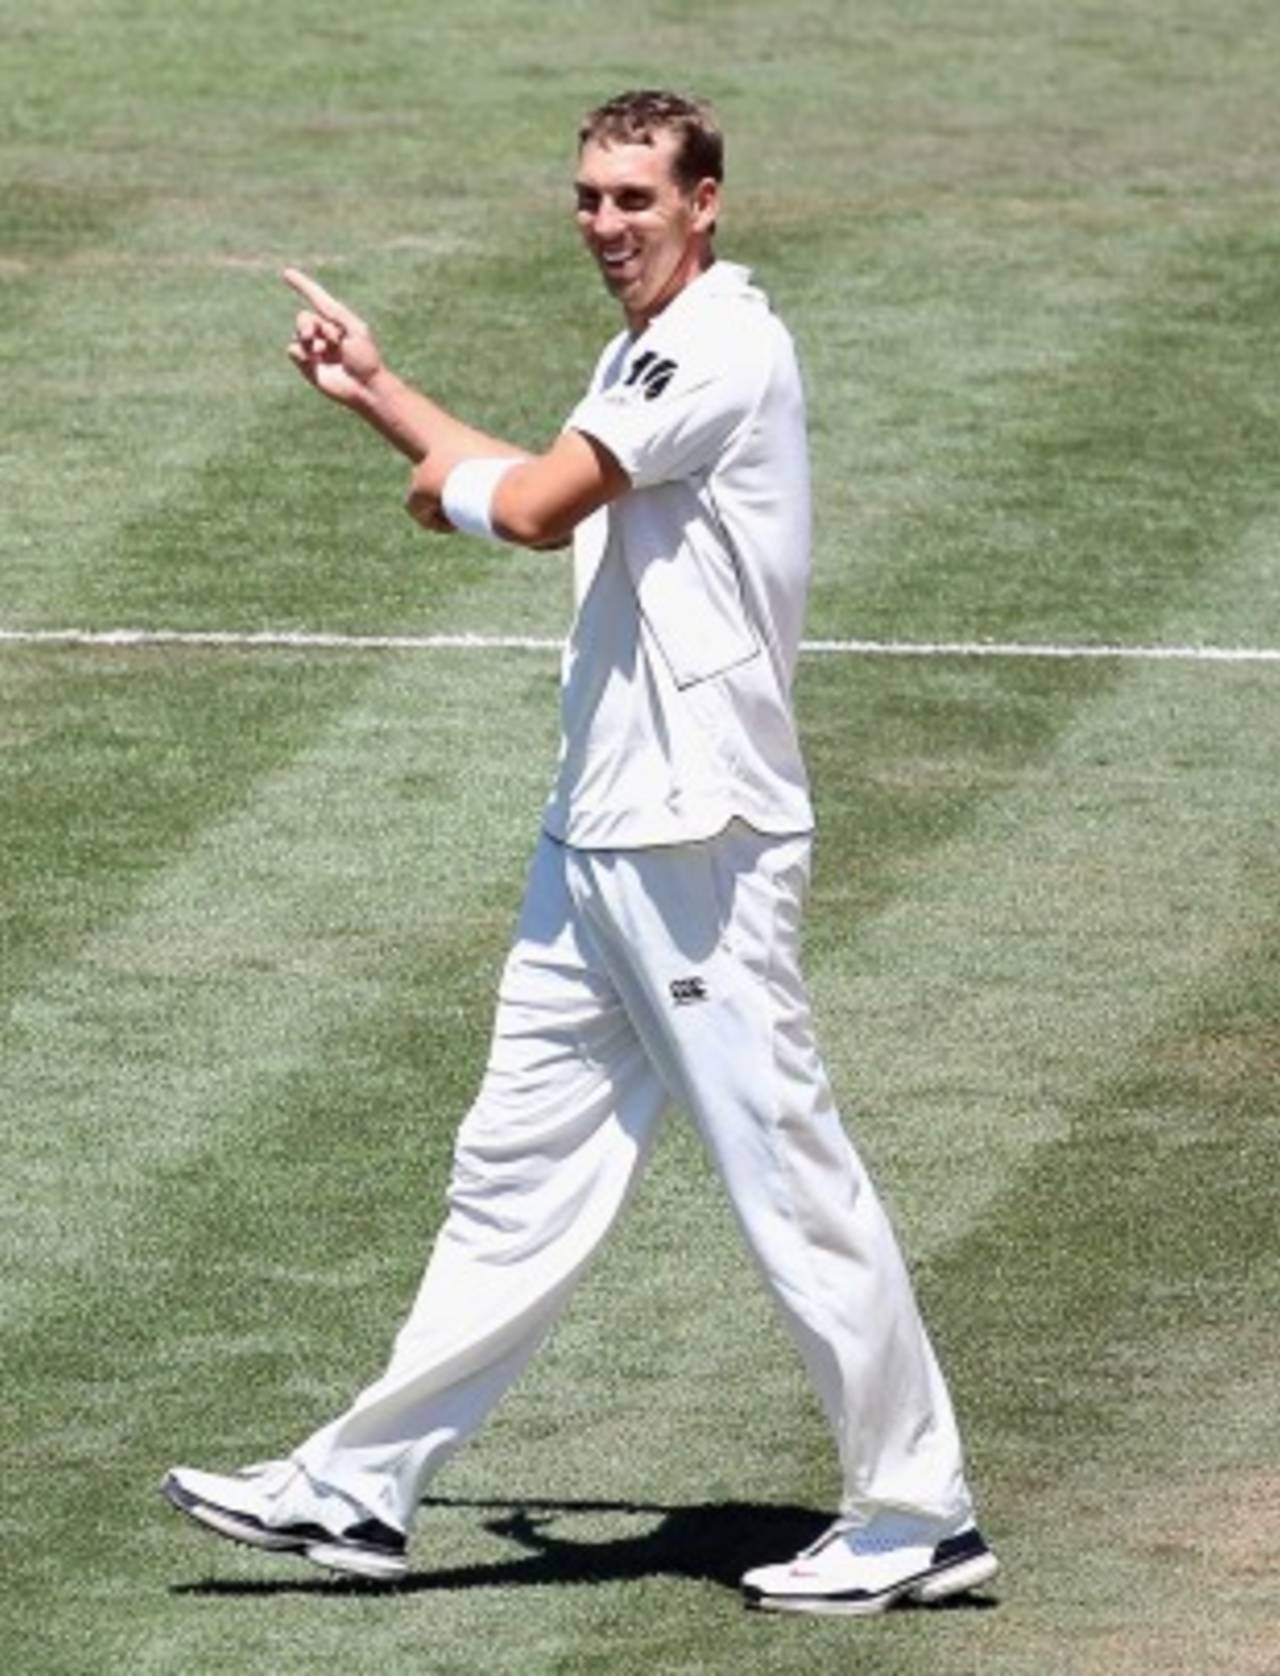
(297, 1536)
(373, 1535)
(370, 1535)
(967, 1546)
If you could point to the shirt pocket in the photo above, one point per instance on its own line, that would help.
(688, 583)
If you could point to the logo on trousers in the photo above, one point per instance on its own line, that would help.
(685, 991)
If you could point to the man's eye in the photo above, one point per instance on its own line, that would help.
(588, 202)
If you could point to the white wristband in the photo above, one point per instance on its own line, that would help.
(467, 497)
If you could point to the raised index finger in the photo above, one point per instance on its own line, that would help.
(324, 304)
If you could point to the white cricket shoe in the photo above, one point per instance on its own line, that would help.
(859, 1570)
(236, 1506)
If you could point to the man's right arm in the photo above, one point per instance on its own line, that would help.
(335, 351)
(538, 504)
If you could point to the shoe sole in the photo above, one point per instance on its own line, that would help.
(341, 1557)
(366, 1565)
(924, 1589)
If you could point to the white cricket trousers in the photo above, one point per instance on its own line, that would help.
(640, 978)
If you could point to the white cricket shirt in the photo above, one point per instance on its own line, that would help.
(691, 588)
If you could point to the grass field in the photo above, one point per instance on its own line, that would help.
(254, 899)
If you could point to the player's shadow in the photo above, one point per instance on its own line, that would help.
(711, 1542)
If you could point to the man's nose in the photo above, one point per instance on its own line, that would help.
(608, 219)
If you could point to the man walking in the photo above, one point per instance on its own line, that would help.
(656, 956)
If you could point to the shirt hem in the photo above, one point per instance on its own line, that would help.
(618, 835)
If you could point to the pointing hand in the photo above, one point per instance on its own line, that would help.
(332, 346)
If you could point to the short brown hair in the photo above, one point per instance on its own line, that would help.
(634, 118)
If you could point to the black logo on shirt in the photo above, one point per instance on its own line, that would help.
(685, 991)
(652, 373)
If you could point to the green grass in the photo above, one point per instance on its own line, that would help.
(253, 903)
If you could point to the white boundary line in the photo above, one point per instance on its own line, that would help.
(1033, 649)
(304, 640)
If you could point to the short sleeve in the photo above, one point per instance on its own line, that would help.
(663, 418)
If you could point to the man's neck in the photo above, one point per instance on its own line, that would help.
(684, 277)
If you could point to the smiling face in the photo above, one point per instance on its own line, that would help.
(650, 235)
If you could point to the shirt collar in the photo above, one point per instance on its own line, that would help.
(721, 279)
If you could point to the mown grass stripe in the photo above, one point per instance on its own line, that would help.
(241, 950)
(1132, 1264)
(1032, 950)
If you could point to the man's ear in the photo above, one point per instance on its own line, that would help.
(706, 205)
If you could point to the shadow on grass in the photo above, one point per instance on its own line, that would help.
(707, 1542)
